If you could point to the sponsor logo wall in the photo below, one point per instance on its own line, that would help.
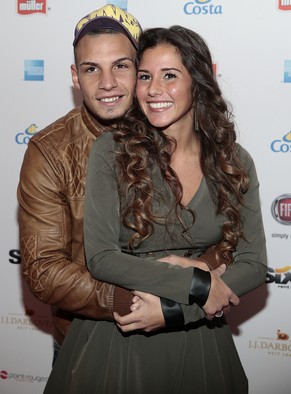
(251, 46)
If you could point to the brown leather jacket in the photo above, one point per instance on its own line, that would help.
(51, 197)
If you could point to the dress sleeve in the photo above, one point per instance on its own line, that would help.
(249, 268)
(105, 259)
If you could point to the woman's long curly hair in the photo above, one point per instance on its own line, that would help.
(143, 145)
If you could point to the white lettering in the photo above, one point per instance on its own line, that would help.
(285, 210)
(31, 5)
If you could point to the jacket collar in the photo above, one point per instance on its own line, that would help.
(92, 123)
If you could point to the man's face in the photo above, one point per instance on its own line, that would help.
(105, 74)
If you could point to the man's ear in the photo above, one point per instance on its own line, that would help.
(75, 77)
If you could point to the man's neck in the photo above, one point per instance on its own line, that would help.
(97, 125)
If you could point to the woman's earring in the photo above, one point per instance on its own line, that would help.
(196, 123)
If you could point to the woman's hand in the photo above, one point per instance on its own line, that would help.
(146, 314)
(220, 297)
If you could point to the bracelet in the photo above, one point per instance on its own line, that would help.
(173, 313)
(200, 287)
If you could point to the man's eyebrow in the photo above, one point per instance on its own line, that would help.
(122, 59)
(88, 64)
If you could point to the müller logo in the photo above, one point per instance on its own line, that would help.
(284, 5)
(281, 209)
(25, 7)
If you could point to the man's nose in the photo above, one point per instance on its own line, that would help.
(107, 80)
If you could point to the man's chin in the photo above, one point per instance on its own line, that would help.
(106, 118)
(110, 118)
(112, 114)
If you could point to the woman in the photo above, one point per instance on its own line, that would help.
(169, 183)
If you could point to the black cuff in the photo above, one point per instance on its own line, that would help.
(200, 287)
(173, 313)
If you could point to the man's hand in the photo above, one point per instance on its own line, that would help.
(184, 262)
(146, 314)
(221, 297)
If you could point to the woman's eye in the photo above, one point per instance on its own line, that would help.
(143, 77)
(170, 75)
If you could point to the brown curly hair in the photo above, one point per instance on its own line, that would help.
(142, 145)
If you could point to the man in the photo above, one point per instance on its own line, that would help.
(52, 181)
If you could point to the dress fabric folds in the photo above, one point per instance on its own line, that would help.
(97, 359)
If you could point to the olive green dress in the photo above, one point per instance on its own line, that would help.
(199, 358)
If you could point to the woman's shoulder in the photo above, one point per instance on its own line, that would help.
(105, 139)
(104, 144)
(244, 156)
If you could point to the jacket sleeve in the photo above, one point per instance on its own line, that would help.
(47, 243)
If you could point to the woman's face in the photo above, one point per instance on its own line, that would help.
(164, 89)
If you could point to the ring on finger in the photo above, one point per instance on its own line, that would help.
(218, 314)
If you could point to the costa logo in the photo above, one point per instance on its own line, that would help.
(281, 209)
(202, 7)
(24, 137)
(283, 145)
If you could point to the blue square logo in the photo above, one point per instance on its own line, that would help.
(287, 71)
(119, 3)
(33, 70)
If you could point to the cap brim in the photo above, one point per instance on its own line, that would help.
(104, 23)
